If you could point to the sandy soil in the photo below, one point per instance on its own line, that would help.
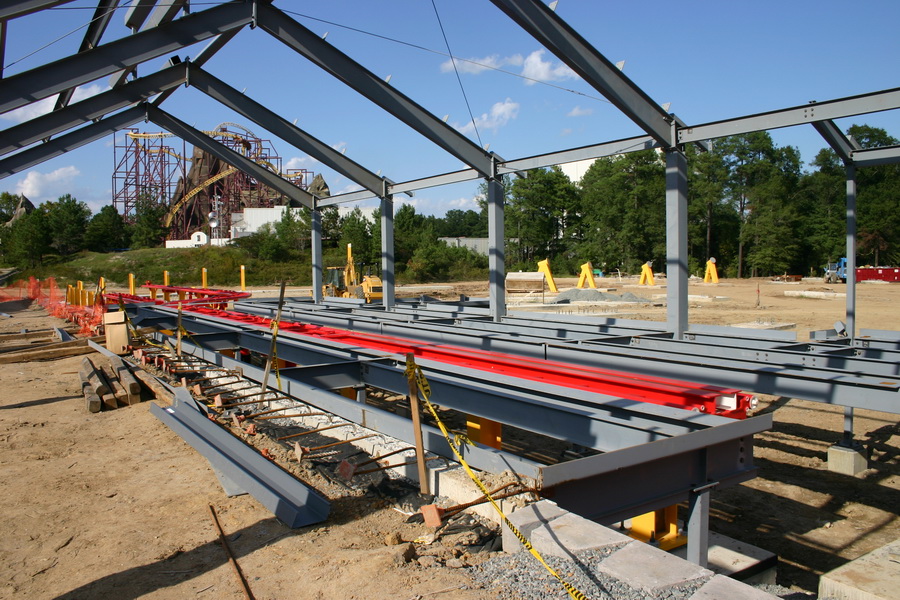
(115, 505)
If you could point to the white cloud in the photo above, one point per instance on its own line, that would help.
(580, 112)
(474, 66)
(42, 107)
(535, 68)
(501, 114)
(42, 187)
(300, 162)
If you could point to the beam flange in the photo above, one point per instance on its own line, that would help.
(840, 143)
(889, 155)
(351, 73)
(203, 141)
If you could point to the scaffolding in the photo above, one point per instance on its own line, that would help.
(201, 192)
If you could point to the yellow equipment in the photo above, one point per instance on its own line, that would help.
(343, 282)
(647, 274)
(586, 276)
(544, 267)
(711, 275)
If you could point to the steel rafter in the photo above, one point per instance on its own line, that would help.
(259, 114)
(557, 36)
(219, 150)
(351, 73)
(11, 10)
(841, 144)
(32, 156)
(23, 88)
(889, 155)
(90, 109)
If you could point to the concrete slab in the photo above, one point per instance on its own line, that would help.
(772, 326)
(526, 520)
(737, 560)
(874, 576)
(571, 533)
(847, 460)
(649, 569)
(720, 587)
(814, 294)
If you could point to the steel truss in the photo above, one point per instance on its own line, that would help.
(665, 455)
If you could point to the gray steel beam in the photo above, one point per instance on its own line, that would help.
(163, 13)
(387, 252)
(95, 28)
(798, 115)
(32, 156)
(290, 500)
(137, 19)
(41, 82)
(208, 51)
(889, 155)
(851, 253)
(259, 114)
(345, 69)
(137, 13)
(11, 10)
(203, 141)
(497, 246)
(316, 249)
(89, 109)
(3, 34)
(841, 144)
(676, 243)
(557, 36)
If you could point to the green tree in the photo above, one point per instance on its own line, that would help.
(293, 230)
(67, 220)
(107, 231)
(148, 230)
(8, 203)
(877, 200)
(356, 229)
(28, 240)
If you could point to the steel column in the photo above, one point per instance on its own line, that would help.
(676, 243)
(698, 527)
(316, 243)
(387, 251)
(497, 245)
(851, 252)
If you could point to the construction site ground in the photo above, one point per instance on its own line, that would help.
(115, 505)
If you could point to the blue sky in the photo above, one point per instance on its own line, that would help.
(709, 60)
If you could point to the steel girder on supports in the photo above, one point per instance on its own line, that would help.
(336, 63)
(89, 109)
(219, 150)
(557, 36)
(24, 88)
(32, 156)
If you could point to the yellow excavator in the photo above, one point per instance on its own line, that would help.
(343, 282)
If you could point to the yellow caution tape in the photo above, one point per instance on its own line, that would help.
(273, 325)
(413, 369)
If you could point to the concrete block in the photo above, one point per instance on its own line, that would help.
(873, 576)
(738, 560)
(724, 587)
(566, 535)
(526, 520)
(649, 569)
(847, 461)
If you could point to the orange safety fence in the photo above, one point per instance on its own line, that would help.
(48, 295)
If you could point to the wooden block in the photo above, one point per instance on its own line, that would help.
(127, 379)
(116, 330)
(89, 373)
(153, 385)
(109, 401)
(92, 400)
(115, 385)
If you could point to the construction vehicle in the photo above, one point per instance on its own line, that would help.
(837, 273)
(343, 282)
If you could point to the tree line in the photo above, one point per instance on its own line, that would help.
(750, 205)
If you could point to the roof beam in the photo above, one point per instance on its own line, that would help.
(797, 115)
(357, 77)
(889, 155)
(262, 116)
(557, 36)
(70, 141)
(95, 28)
(24, 88)
(840, 143)
(135, 18)
(205, 142)
(24, 7)
(89, 109)
(208, 51)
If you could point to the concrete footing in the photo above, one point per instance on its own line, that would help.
(738, 560)
(556, 532)
(874, 576)
(847, 460)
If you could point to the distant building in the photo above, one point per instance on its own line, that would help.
(479, 245)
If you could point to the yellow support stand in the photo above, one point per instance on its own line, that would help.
(544, 267)
(131, 289)
(712, 275)
(658, 527)
(587, 276)
(203, 278)
(484, 431)
(166, 283)
(646, 274)
(243, 279)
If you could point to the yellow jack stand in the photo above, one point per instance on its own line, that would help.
(712, 275)
(587, 276)
(646, 275)
(544, 267)
(484, 431)
(658, 527)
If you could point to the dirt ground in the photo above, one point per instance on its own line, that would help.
(115, 505)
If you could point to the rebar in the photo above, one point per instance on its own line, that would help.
(293, 435)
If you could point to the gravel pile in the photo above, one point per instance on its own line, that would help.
(589, 295)
(520, 576)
